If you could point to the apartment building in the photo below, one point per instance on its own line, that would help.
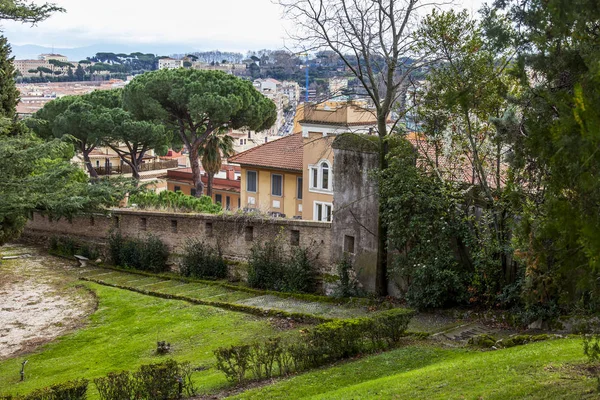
(293, 176)
(24, 66)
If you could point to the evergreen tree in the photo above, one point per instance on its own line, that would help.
(9, 95)
(80, 73)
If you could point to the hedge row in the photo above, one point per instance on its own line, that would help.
(300, 317)
(162, 381)
(320, 345)
(71, 390)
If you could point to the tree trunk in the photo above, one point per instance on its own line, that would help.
(381, 273)
(210, 184)
(89, 166)
(196, 172)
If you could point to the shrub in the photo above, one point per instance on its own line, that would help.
(200, 260)
(271, 267)
(158, 381)
(348, 285)
(233, 361)
(116, 386)
(317, 346)
(71, 390)
(148, 254)
(67, 246)
(162, 381)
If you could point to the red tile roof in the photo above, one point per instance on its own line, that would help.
(285, 153)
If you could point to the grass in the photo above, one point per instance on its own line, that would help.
(535, 371)
(122, 334)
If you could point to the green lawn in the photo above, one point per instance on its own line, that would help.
(534, 371)
(122, 334)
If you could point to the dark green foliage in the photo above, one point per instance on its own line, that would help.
(320, 345)
(176, 201)
(200, 260)
(147, 254)
(116, 386)
(428, 230)
(161, 381)
(272, 267)
(71, 390)
(67, 246)
(9, 94)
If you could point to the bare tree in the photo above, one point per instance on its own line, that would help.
(376, 40)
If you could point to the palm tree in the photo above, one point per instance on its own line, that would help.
(215, 147)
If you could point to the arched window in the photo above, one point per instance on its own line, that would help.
(324, 175)
(321, 176)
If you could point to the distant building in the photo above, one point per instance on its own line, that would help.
(48, 57)
(169, 63)
(337, 86)
(24, 67)
(292, 91)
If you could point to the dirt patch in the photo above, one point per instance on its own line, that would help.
(38, 300)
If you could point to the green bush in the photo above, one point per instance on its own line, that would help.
(271, 267)
(71, 390)
(176, 201)
(67, 246)
(147, 254)
(200, 260)
(162, 381)
(322, 344)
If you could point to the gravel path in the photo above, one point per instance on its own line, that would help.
(38, 300)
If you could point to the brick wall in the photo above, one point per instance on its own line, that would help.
(235, 235)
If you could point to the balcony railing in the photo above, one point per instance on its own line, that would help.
(148, 166)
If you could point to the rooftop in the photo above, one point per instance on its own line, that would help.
(285, 153)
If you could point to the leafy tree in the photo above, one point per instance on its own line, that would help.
(216, 146)
(464, 93)
(137, 136)
(70, 74)
(556, 139)
(428, 231)
(76, 118)
(198, 104)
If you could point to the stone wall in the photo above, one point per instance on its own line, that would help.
(355, 204)
(235, 235)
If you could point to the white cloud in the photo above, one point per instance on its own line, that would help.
(202, 24)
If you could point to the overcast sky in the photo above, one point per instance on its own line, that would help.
(234, 25)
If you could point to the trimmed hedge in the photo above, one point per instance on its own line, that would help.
(147, 254)
(71, 390)
(320, 345)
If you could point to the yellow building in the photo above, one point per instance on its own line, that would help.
(272, 177)
(294, 175)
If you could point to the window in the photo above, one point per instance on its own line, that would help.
(174, 225)
(320, 176)
(295, 238)
(241, 142)
(193, 191)
(251, 181)
(249, 233)
(266, 139)
(276, 185)
(97, 163)
(324, 175)
(208, 229)
(143, 224)
(218, 198)
(227, 202)
(249, 135)
(322, 211)
(299, 188)
(177, 189)
(349, 244)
